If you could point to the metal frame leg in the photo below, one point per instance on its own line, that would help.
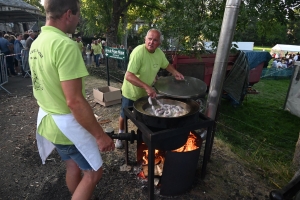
(151, 154)
(1, 87)
(207, 151)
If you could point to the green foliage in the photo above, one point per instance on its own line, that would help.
(261, 132)
(268, 21)
(36, 3)
(186, 24)
(102, 16)
(96, 16)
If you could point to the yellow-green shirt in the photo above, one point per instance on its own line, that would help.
(80, 45)
(145, 66)
(97, 49)
(54, 58)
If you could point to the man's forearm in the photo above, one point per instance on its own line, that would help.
(134, 80)
(85, 117)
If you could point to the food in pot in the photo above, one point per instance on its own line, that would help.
(165, 110)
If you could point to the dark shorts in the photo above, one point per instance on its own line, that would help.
(68, 152)
(125, 103)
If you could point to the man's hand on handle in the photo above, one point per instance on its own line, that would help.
(105, 143)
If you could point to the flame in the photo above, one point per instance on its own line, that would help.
(190, 145)
(157, 156)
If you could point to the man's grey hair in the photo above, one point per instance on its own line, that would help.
(161, 37)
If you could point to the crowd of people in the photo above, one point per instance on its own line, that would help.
(11, 45)
(96, 50)
(285, 62)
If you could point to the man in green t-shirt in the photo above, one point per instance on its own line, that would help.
(97, 51)
(65, 119)
(79, 43)
(144, 63)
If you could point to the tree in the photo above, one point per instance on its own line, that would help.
(104, 16)
(189, 23)
(36, 3)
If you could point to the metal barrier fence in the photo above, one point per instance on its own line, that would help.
(3, 72)
(25, 64)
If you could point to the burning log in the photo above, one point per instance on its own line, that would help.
(158, 163)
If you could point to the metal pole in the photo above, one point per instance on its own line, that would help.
(225, 40)
(107, 70)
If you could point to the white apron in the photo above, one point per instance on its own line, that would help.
(82, 139)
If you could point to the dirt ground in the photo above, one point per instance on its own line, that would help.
(24, 177)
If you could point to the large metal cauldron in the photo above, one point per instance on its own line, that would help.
(141, 105)
(156, 123)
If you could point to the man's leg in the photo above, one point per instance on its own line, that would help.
(97, 61)
(10, 65)
(118, 143)
(73, 175)
(125, 103)
(121, 123)
(85, 188)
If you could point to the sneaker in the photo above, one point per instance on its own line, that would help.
(119, 144)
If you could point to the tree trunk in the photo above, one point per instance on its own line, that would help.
(112, 32)
(125, 31)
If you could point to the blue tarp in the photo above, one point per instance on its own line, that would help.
(256, 57)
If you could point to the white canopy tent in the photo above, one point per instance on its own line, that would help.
(282, 49)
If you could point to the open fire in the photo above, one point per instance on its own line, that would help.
(191, 145)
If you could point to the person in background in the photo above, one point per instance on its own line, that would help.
(92, 54)
(295, 58)
(283, 63)
(101, 51)
(287, 55)
(79, 43)
(279, 64)
(30, 39)
(24, 38)
(96, 50)
(17, 50)
(16, 63)
(11, 39)
(290, 62)
(7, 49)
(65, 120)
(144, 63)
(274, 63)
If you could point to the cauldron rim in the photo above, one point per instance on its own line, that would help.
(166, 122)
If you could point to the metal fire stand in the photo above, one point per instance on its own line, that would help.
(151, 137)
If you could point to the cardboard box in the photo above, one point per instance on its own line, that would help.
(107, 96)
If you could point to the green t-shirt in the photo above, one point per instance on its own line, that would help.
(80, 45)
(97, 49)
(53, 58)
(145, 66)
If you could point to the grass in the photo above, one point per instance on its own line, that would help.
(261, 132)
